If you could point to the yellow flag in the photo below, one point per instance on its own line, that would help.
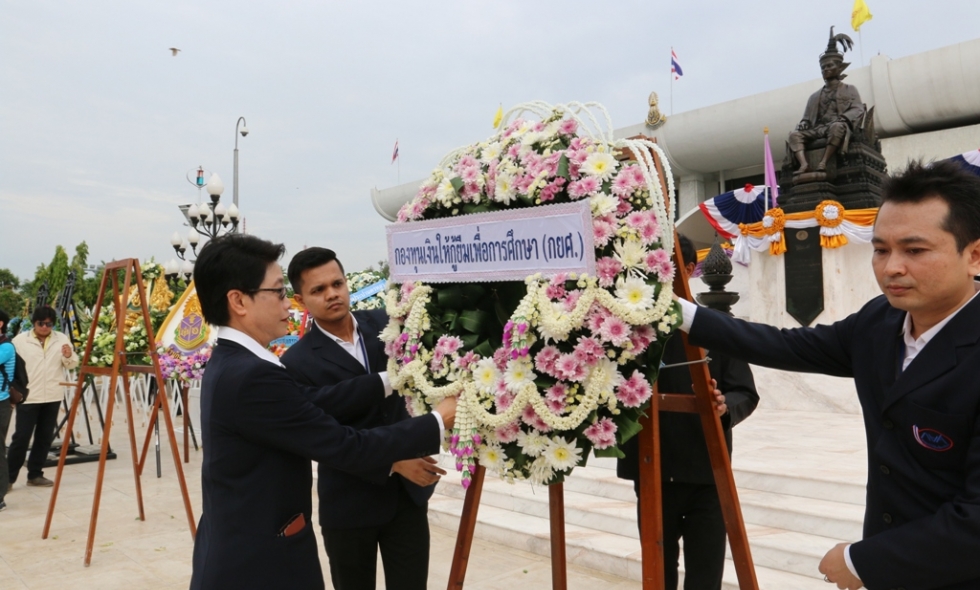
(497, 118)
(860, 15)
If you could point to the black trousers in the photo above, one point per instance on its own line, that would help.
(39, 421)
(404, 544)
(692, 512)
(5, 410)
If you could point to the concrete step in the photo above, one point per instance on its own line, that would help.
(835, 520)
(783, 559)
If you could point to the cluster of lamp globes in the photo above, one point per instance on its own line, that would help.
(206, 219)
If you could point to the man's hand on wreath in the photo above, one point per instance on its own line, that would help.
(447, 409)
(422, 471)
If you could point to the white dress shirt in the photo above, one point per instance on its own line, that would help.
(913, 346)
(250, 344)
(357, 350)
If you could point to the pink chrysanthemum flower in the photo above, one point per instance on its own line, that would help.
(508, 432)
(570, 369)
(546, 359)
(606, 269)
(615, 330)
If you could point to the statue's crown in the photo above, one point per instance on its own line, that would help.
(832, 54)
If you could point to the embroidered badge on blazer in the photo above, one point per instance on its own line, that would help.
(932, 439)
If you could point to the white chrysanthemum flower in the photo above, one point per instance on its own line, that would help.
(540, 471)
(600, 164)
(486, 375)
(562, 454)
(391, 331)
(532, 444)
(605, 376)
(504, 191)
(492, 457)
(418, 406)
(630, 252)
(518, 374)
(490, 152)
(634, 293)
(445, 193)
(603, 204)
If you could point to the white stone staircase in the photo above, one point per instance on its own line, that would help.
(800, 478)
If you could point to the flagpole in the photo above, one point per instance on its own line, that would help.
(861, 44)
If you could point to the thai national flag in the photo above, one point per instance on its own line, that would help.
(727, 210)
(394, 154)
(969, 160)
(675, 66)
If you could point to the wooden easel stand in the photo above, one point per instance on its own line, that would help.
(120, 369)
(651, 508)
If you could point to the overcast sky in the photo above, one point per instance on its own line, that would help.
(99, 124)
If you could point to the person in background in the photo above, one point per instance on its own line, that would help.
(360, 515)
(691, 509)
(7, 355)
(47, 354)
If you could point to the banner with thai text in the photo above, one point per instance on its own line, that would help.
(500, 246)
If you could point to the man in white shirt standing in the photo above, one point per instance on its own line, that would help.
(47, 354)
(914, 354)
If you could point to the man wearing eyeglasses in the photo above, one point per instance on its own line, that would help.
(261, 428)
(47, 353)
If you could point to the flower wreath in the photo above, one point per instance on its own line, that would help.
(555, 367)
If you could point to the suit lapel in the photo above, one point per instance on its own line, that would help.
(331, 352)
(939, 356)
(369, 336)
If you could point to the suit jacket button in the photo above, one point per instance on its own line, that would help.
(887, 518)
(884, 469)
(888, 424)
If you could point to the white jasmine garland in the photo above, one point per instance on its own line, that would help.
(636, 300)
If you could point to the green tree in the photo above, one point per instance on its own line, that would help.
(11, 301)
(8, 280)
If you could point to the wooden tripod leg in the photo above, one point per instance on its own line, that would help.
(556, 509)
(154, 411)
(187, 423)
(64, 453)
(651, 501)
(111, 404)
(467, 525)
(165, 408)
(132, 446)
(721, 467)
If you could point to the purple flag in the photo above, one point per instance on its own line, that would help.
(771, 172)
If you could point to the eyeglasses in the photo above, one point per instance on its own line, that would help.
(280, 291)
(44, 324)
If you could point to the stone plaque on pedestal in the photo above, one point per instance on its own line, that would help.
(804, 274)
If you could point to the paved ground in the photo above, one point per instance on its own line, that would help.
(156, 553)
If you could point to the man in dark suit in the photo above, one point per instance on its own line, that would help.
(261, 428)
(914, 354)
(359, 514)
(691, 508)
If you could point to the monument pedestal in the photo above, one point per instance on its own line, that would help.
(848, 283)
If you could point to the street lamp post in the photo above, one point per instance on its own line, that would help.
(244, 132)
(208, 220)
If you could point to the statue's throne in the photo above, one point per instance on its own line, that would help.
(854, 175)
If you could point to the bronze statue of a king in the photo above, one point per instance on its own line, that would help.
(833, 111)
(834, 153)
